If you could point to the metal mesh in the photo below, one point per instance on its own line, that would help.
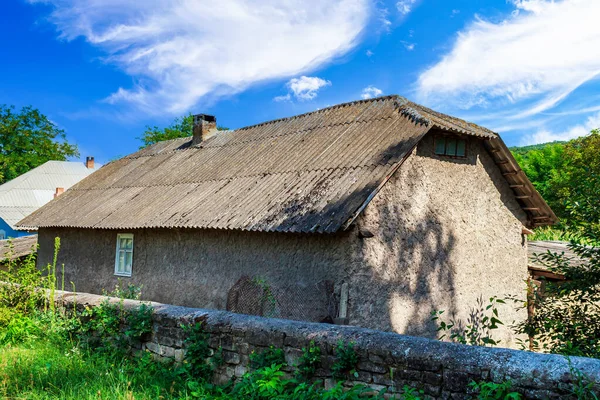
(255, 296)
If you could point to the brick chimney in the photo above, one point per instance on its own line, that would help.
(60, 190)
(205, 126)
(89, 162)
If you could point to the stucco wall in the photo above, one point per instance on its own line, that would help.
(447, 232)
(198, 267)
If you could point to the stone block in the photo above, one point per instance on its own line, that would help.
(265, 338)
(364, 377)
(372, 367)
(432, 378)
(374, 358)
(383, 379)
(240, 371)
(292, 356)
(456, 381)
(231, 357)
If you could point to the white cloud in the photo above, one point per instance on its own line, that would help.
(369, 53)
(543, 136)
(306, 87)
(542, 53)
(370, 92)
(182, 51)
(408, 46)
(405, 6)
(279, 99)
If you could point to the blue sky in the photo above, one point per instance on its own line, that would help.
(104, 69)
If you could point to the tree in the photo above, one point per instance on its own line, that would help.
(545, 168)
(567, 314)
(180, 128)
(27, 140)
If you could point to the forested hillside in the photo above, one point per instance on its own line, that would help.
(561, 172)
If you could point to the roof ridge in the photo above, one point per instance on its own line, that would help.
(336, 106)
(241, 142)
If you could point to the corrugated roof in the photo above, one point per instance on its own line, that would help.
(538, 248)
(21, 247)
(308, 173)
(28, 192)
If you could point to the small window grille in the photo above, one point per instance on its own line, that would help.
(450, 146)
(124, 256)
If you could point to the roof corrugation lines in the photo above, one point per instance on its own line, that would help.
(16, 248)
(28, 192)
(308, 173)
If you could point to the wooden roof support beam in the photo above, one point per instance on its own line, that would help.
(516, 186)
(523, 197)
(510, 173)
(531, 208)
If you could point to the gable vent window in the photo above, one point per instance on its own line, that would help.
(124, 257)
(450, 146)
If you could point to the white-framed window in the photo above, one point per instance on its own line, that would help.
(124, 256)
(2, 234)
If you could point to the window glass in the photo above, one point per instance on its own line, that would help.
(124, 256)
(440, 146)
(461, 145)
(451, 147)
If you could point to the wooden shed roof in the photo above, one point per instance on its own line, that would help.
(21, 247)
(309, 173)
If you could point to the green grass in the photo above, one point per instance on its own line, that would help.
(50, 370)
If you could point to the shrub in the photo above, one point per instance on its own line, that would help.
(478, 331)
(267, 358)
(308, 362)
(494, 391)
(198, 352)
(346, 361)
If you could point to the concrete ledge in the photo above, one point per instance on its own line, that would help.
(443, 370)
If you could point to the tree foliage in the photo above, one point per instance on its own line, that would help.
(567, 314)
(180, 128)
(559, 170)
(27, 140)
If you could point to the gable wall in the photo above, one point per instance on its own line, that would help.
(446, 233)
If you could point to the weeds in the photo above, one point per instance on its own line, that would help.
(494, 391)
(346, 361)
(267, 357)
(308, 362)
(480, 325)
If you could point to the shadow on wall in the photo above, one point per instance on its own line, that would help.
(405, 276)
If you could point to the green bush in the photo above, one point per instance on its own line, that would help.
(267, 358)
(308, 362)
(346, 361)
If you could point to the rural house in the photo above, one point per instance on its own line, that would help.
(372, 213)
(28, 192)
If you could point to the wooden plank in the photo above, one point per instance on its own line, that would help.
(531, 208)
(516, 186)
(510, 173)
(523, 197)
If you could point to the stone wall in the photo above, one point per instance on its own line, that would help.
(386, 360)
